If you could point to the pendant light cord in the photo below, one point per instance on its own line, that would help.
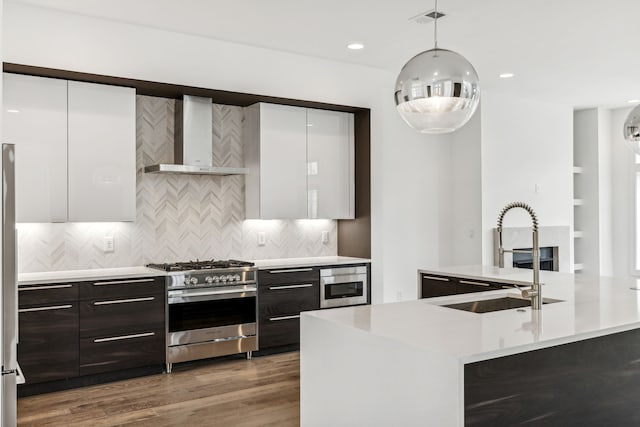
(435, 26)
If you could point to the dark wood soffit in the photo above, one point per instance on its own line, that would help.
(167, 90)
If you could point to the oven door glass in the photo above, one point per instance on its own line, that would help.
(210, 314)
(343, 290)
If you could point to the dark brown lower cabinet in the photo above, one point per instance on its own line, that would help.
(438, 286)
(282, 295)
(48, 342)
(117, 352)
(116, 315)
(279, 331)
(77, 332)
(122, 324)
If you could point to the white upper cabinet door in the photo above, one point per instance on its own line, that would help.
(102, 152)
(35, 120)
(330, 153)
(276, 155)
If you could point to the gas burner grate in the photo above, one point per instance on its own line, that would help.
(201, 265)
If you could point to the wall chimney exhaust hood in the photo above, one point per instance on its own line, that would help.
(193, 148)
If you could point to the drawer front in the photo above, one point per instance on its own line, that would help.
(48, 342)
(105, 353)
(281, 276)
(438, 286)
(122, 288)
(121, 315)
(44, 294)
(466, 286)
(276, 300)
(276, 331)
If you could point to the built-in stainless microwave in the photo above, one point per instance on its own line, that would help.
(341, 286)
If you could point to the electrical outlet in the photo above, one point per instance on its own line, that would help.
(262, 238)
(398, 295)
(108, 244)
(325, 236)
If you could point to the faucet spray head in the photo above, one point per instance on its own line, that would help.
(534, 217)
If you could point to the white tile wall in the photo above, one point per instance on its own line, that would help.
(179, 217)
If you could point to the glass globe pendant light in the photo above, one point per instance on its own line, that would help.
(631, 130)
(438, 90)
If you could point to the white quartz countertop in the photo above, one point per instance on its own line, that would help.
(591, 306)
(264, 264)
(132, 272)
(85, 275)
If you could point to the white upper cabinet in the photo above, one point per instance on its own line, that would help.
(35, 120)
(330, 155)
(276, 155)
(301, 163)
(102, 152)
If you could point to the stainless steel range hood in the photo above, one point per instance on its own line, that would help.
(193, 150)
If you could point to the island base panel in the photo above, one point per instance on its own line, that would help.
(591, 382)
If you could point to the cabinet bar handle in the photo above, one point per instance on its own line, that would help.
(122, 301)
(466, 282)
(53, 307)
(292, 270)
(275, 319)
(305, 285)
(442, 279)
(42, 288)
(122, 282)
(124, 337)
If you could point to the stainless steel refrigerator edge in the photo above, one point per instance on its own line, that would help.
(9, 318)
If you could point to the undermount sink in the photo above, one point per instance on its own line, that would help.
(496, 304)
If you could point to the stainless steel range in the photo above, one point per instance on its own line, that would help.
(211, 309)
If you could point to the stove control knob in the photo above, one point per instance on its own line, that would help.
(237, 277)
(216, 279)
(231, 277)
(223, 279)
(194, 280)
(186, 281)
(208, 279)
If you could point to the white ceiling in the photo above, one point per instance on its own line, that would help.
(579, 52)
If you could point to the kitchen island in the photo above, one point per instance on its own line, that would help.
(575, 362)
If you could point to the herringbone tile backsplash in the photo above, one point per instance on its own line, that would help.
(178, 217)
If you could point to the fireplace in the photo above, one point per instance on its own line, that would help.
(548, 258)
(557, 238)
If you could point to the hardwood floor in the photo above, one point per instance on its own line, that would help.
(264, 391)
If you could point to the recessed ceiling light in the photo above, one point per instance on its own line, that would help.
(13, 111)
(633, 101)
(506, 75)
(355, 46)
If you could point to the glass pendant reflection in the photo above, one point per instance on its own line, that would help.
(437, 91)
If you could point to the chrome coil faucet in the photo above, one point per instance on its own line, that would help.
(535, 293)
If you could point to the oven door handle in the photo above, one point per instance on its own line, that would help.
(211, 295)
(337, 280)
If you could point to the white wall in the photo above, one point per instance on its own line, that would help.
(525, 143)
(605, 208)
(593, 153)
(407, 167)
(463, 243)
(415, 176)
(622, 197)
(587, 188)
